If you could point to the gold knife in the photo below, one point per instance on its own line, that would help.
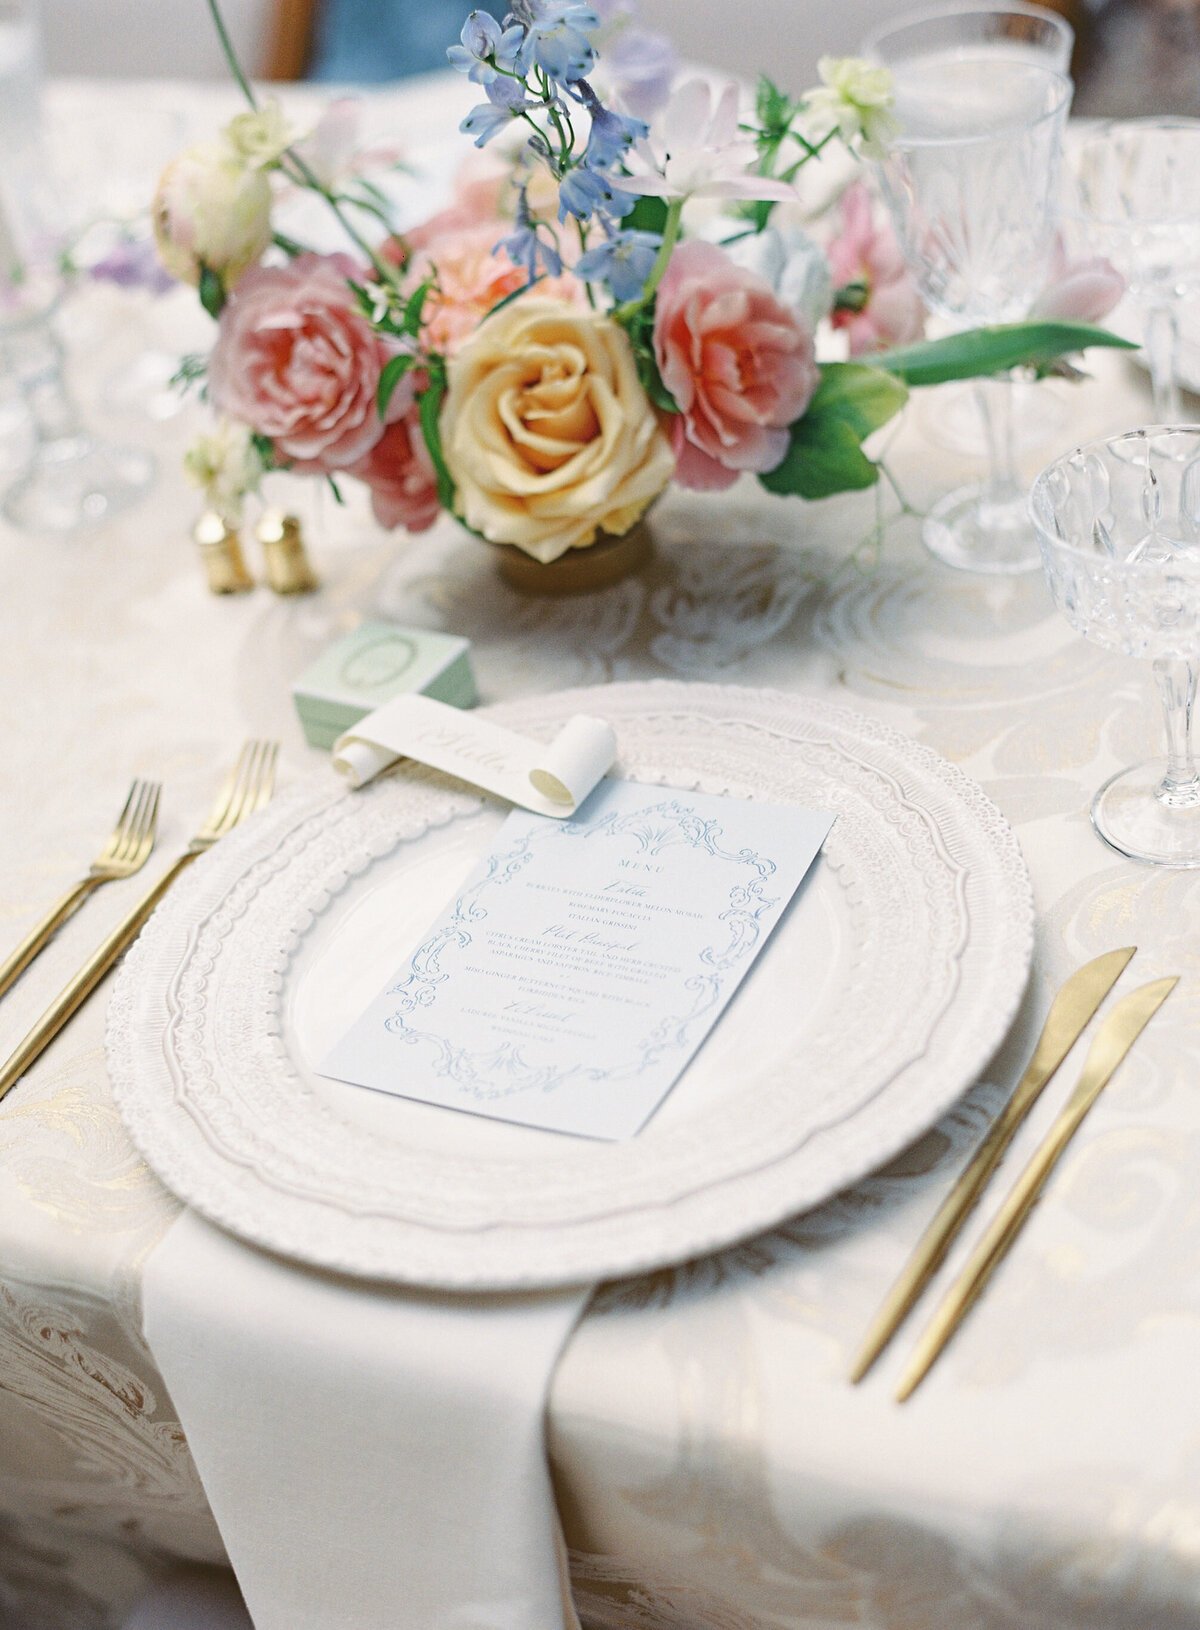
(1113, 1040)
(1069, 1015)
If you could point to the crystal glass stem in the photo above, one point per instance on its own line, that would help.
(35, 356)
(995, 402)
(1180, 786)
(1162, 353)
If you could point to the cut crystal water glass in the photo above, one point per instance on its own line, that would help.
(1119, 526)
(971, 182)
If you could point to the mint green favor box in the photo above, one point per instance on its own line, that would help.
(373, 664)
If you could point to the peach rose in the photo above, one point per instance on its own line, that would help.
(472, 277)
(738, 362)
(399, 472)
(547, 432)
(296, 361)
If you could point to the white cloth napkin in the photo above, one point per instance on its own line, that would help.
(374, 1457)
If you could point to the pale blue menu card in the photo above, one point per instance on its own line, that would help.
(584, 961)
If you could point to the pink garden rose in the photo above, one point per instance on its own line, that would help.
(865, 253)
(399, 472)
(296, 361)
(739, 364)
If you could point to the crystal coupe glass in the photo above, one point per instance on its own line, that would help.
(970, 181)
(1119, 526)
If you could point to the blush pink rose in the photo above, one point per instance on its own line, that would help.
(296, 361)
(738, 362)
(866, 253)
(399, 472)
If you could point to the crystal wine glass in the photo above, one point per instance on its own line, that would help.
(1133, 195)
(951, 416)
(970, 181)
(71, 479)
(1119, 526)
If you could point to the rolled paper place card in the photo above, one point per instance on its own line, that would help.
(550, 778)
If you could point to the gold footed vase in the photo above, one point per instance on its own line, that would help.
(579, 571)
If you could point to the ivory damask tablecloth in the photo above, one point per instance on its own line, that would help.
(714, 1470)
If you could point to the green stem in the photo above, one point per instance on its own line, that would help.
(670, 238)
(309, 179)
(235, 66)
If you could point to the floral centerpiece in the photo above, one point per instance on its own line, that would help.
(622, 300)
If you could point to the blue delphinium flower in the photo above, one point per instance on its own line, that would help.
(581, 193)
(556, 38)
(485, 49)
(612, 134)
(525, 248)
(487, 119)
(623, 262)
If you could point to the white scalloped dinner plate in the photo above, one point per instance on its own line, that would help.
(883, 992)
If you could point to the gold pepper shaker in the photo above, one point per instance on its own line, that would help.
(288, 568)
(221, 551)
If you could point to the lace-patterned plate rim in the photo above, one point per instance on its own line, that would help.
(996, 910)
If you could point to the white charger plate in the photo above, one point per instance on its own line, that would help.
(883, 992)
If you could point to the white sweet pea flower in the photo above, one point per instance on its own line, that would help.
(794, 266)
(855, 98)
(226, 467)
(259, 138)
(699, 151)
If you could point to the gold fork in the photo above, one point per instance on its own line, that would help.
(247, 787)
(127, 851)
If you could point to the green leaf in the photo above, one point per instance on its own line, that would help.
(649, 214)
(860, 395)
(639, 325)
(416, 305)
(824, 457)
(430, 406)
(265, 448)
(211, 291)
(394, 370)
(982, 351)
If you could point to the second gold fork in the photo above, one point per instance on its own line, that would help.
(248, 787)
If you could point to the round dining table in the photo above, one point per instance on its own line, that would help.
(712, 1465)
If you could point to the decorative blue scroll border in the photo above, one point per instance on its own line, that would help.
(503, 1071)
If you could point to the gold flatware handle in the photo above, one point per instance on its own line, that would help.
(1113, 1040)
(1069, 1015)
(42, 933)
(86, 980)
(246, 788)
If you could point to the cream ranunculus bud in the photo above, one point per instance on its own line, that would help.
(547, 432)
(211, 210)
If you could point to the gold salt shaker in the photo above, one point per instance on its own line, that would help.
(220, 549)
(288, 568)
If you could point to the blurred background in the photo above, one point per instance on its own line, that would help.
(1134, 56)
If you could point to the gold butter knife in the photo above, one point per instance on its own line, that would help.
(1113, 1040)
(1069, 1015)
